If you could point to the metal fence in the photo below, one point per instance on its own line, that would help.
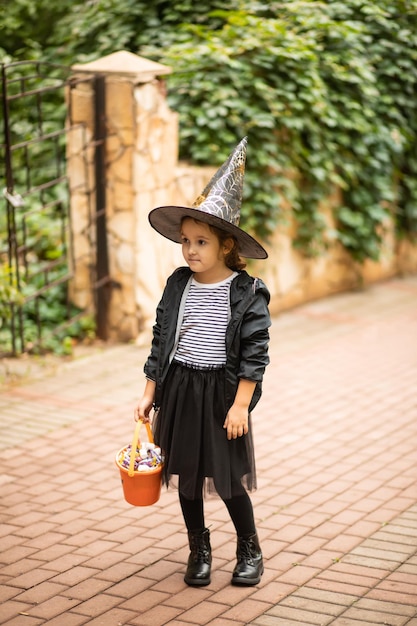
(36, 252)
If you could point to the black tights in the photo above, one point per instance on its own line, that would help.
(239, 507)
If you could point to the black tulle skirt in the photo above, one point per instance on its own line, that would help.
(189, 429)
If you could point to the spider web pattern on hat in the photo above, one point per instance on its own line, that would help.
(222, 196)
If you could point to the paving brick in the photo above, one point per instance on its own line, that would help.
(384, 535)
(324, 595)
(364, 580)
(40, 593)
(7, 529)
(158, 616)
(145, 600)
(110, 524)
(86, 536)
(270, 547)
(400, 577)
(46, 539)
(172, 584)
(247, 609)
(367, 561)
(161, 569)
(357, 571)
(96, 605)
(330, 507)
(118, 572)
(273, 592)
(346, 588)
(219, 621)
(321, 607)
(337, 501)
(393, 596)
(11, 541)
(307, 545)
(57, 605)
(68, 619)
(328, 530)
(113, 616)
(104, 560)
(16, 554)
(284, 561)
(231, 595)
(299, 615)
(128, 532)
(298, 575)
(74, 575)
(7, 592)
(374, 616)
(394, 608)
(269, 620)
(203, 613)
(51, 553)
(63, 563)
(20, 567)
(408, 568)
(12, 610)
(62, 517)
(400, 549)
(33, 517)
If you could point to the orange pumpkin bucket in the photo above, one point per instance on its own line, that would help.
(141, 487)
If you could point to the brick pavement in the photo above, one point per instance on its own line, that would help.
(336, 446)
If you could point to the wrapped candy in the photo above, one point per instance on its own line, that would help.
(147, 457)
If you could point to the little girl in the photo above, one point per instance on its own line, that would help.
(205, 368)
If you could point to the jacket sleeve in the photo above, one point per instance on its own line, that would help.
(165, 324)
(150, 367)
(254, 339)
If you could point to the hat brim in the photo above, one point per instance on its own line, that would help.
(166, 220)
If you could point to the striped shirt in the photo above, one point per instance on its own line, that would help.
(206, 315)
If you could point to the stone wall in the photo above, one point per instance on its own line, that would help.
(294, 280)
(143, 172)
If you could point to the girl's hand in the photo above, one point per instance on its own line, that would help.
(143, 409)
(236, 422)
(145, 404)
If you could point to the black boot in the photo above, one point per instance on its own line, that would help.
(199, 561)
(249, 567)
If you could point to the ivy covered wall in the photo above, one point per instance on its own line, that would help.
(326, 90)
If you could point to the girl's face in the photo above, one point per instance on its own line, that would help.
(203, 252)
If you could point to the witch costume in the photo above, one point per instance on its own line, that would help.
(192, 399)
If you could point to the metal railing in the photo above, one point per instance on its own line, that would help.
(36, 251)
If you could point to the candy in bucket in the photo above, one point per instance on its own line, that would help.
(141, 471)
(147, 457)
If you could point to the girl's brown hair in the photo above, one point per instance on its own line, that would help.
(232, 258)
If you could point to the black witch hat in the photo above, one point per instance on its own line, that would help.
(218, 205)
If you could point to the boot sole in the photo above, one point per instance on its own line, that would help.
(248, 582)
(197, 582)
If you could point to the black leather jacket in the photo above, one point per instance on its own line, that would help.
(247, 334)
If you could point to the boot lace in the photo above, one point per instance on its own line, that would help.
(199, 550)
(245, 553)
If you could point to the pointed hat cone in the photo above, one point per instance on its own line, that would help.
(222, 196)
(218, 205)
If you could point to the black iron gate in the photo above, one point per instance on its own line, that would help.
(36, 252)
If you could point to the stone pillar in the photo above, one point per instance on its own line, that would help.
(80, 171)
(141, 156)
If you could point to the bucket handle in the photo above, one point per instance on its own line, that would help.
(135, 442)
